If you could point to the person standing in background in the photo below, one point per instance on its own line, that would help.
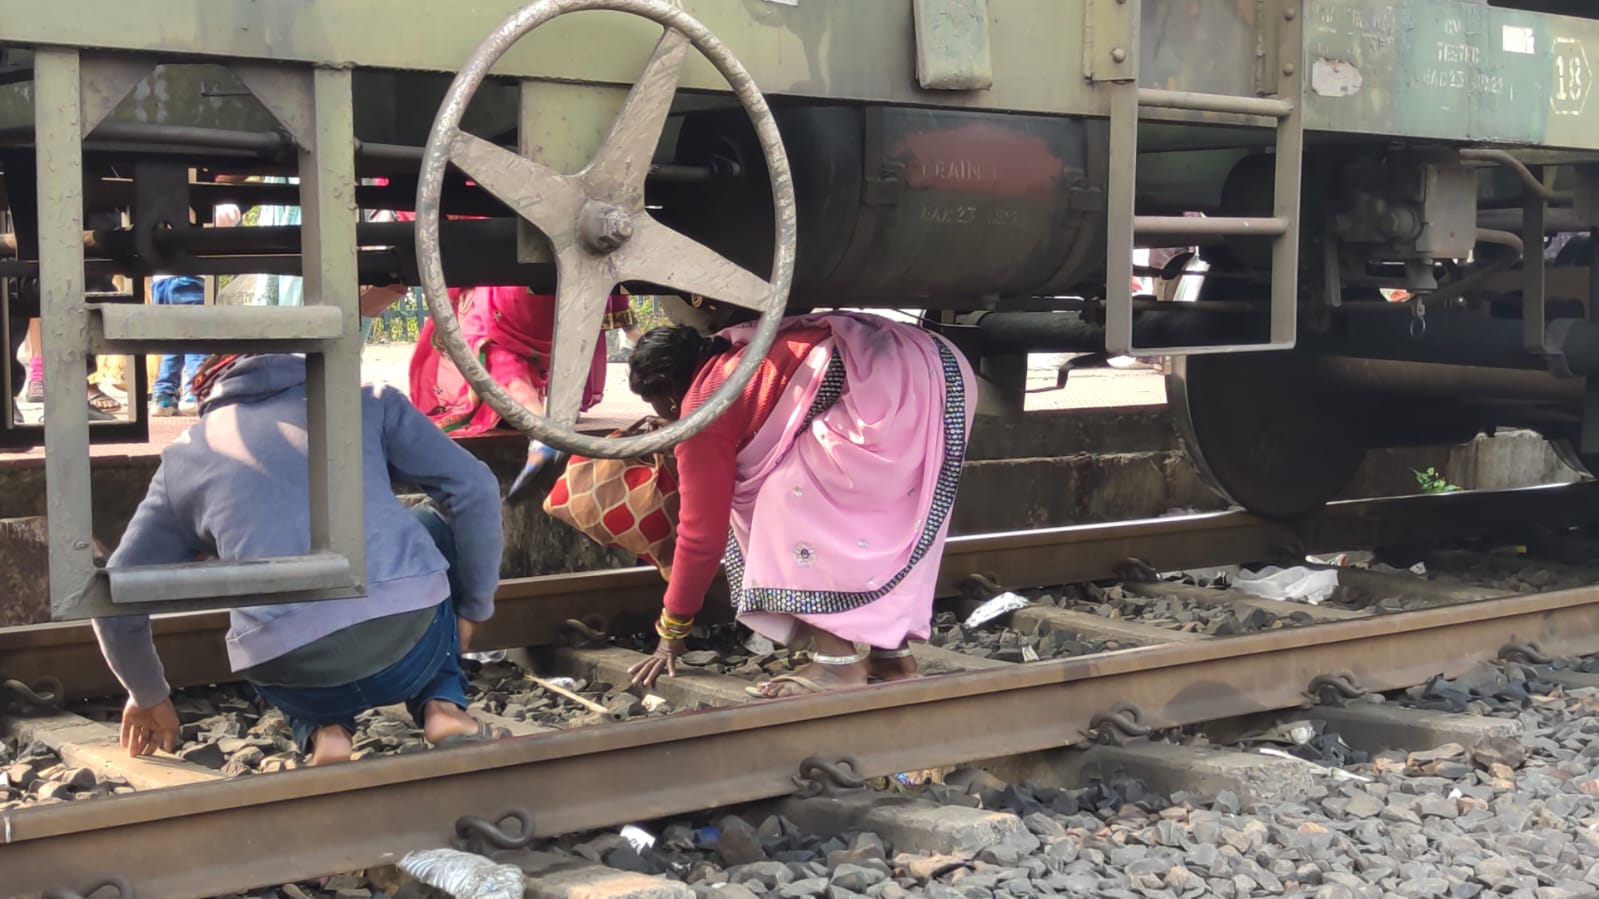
(173, 391)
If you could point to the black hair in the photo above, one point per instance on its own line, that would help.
(666, 360)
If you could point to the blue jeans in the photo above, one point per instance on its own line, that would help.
(431, 670)
(181, 291)
(168, 385)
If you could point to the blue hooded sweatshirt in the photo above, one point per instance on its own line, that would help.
(235, 485)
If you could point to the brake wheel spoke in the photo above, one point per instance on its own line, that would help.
(583, 288)
(545, 197)
(623, 161)
(659, 255)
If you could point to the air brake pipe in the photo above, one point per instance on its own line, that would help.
(1070, 332)
(1454, 290)
(1555, 222)
(267, 240)
(1528, 180)
(276, 144)
(1405, 378)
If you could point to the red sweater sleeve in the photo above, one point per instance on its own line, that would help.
(705, 472)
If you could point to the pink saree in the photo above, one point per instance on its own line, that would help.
(510, 329)
(842, 499)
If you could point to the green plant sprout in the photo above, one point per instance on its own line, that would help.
(1431, 481)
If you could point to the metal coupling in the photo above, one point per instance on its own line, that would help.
(1418, 318)
(478, 835)
(1117, 725)
(1525, 653)
(45, 695)
(979, 586)
(1136, 571)
(820, 777)
(1335, 689)
(589, 633)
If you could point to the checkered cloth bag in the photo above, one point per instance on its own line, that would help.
(629, 504)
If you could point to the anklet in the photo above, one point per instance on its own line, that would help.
(824, 659)
(900, 653)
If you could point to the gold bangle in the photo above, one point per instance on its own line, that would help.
(666, 634)
(671, 628)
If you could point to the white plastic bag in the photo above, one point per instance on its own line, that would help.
(464, 875)
(999, 605)
(1299, 583)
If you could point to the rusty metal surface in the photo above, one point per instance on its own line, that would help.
(1453, 69)
(836, 49)
(952, 46)
(530, 611)
(598, 227)
(279, 827)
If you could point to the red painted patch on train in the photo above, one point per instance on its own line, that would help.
(980, 158)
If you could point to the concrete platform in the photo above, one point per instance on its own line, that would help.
(388, 364)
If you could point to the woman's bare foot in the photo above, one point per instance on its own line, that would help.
(330, 745)
(442, 719)
(888, 666)
(823, 677)
(835, 665)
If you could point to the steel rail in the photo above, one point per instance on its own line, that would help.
(529, 611)
(275, 828)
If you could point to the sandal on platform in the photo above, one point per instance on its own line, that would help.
(101, 401)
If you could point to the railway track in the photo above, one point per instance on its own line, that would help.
(270, 830)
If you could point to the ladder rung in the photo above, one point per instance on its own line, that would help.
(198, 324)
(198, 580)
(1209, 227)
(1221, 103)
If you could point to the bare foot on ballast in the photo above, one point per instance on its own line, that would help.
(814, 677)
(887, 665)
(442, 719)
(330, 745)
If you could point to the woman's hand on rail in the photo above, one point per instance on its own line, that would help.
(663, 660)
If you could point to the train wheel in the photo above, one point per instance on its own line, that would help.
(1266, 434)
(1566, 451)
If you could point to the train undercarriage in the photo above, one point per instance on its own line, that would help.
(961, 171)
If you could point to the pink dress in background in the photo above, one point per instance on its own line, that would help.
(510, 329)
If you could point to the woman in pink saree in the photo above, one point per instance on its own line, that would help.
(825, 489)
(510, 329)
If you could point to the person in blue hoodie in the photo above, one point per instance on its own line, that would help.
(235, 486)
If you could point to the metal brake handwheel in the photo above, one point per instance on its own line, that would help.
(596, 222)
